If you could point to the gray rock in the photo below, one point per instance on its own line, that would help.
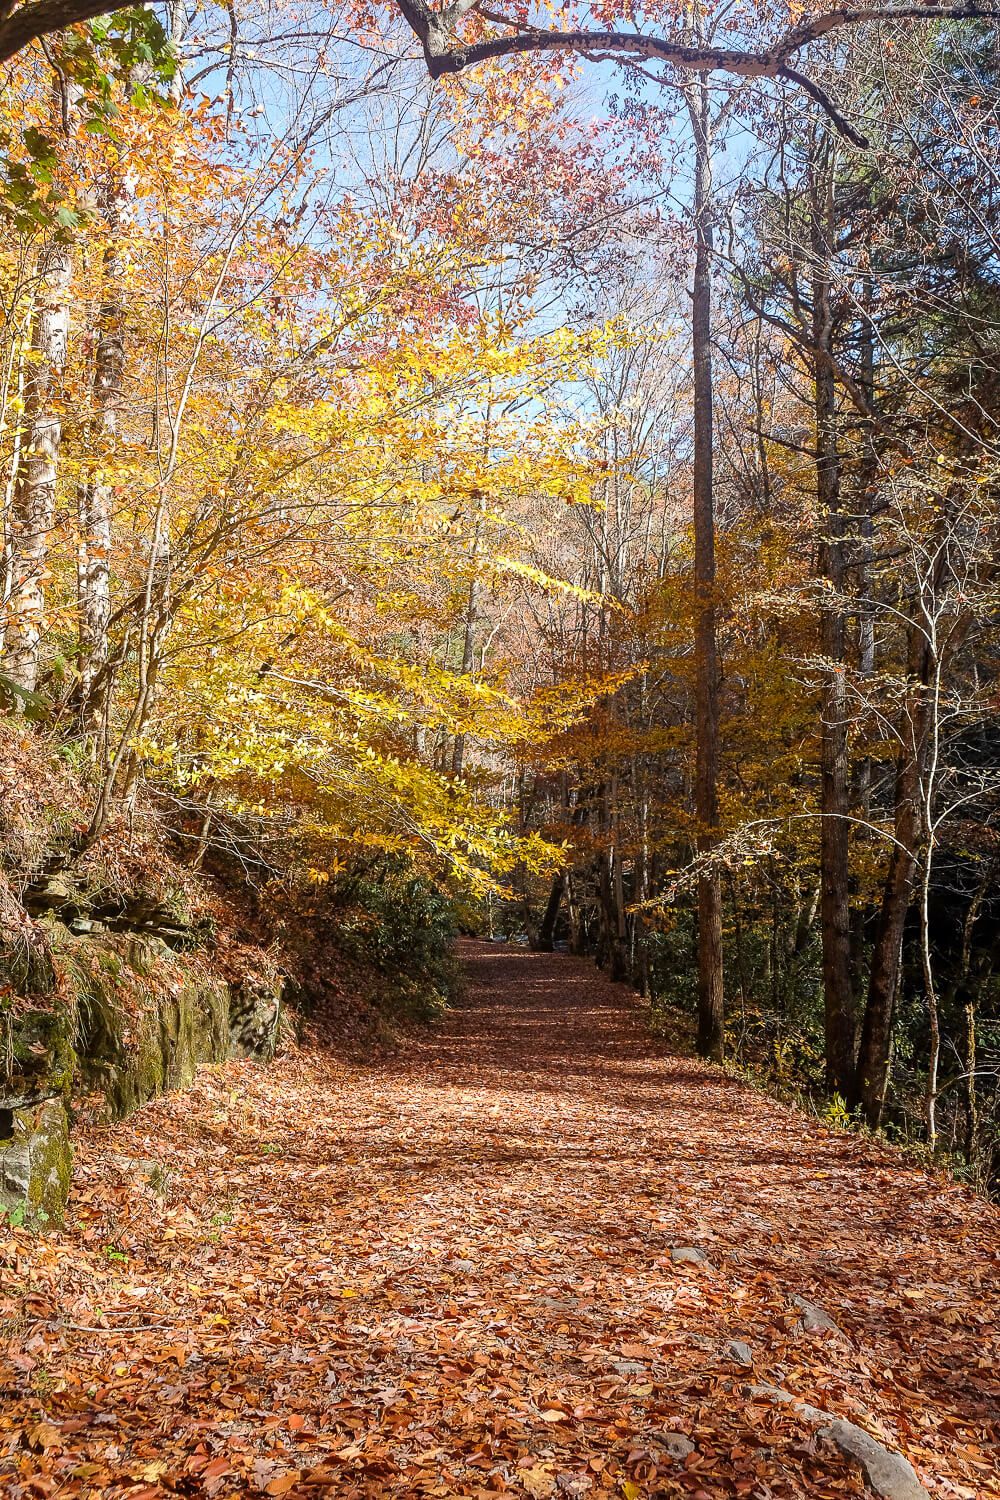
(35, 1161)
(53, 893)
(689, 1255)
(739, 1353)
(815, 1319)
(887, 1473)
(785, 1398)
(676, 1444)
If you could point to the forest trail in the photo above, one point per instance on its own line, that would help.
(450, 1274)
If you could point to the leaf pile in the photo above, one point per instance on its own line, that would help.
(451, 1274)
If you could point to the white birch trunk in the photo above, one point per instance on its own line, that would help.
(95, 495)
(34, 500)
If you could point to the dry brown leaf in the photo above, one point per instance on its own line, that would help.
(42, 1436)
(283, 1483)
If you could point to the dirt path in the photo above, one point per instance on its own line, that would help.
(451, 1275)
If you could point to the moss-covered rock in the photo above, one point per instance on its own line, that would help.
(37, 1064)
(35, 1161)
(37, 1045)
(26, 963)
(133, 1056)
(132, 1018)
(254, 1019)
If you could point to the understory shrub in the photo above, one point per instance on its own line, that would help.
(402, 925)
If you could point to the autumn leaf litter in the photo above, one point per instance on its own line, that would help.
(455, 1273)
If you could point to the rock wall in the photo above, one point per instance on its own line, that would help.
(132, 1018)
(35, 1161)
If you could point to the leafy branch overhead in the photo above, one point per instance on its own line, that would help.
(494, 33)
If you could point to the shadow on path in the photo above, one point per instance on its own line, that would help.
(450, 1274)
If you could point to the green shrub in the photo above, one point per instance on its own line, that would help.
(400, 923)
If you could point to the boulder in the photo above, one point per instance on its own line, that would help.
(132, 1059)
(35, 1161)
(887, 1473)
(93, 1034)
(39, 1056)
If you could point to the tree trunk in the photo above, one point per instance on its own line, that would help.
(930, 997)
(969, 1063)
(711, 1014)
(19, 360)
(867, 482)
(972, 984)
(468, 657)
(34, 500)
(576, 917)
(834, 763)
(613, 952)
(95, 493)
(872, 1071)
(546, 931)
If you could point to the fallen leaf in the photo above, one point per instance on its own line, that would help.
(283, 1483)
(42, 1436)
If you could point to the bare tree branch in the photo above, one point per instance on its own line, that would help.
(436, 30)
(447, 53)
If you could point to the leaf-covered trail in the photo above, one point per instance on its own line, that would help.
(450, 1274)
